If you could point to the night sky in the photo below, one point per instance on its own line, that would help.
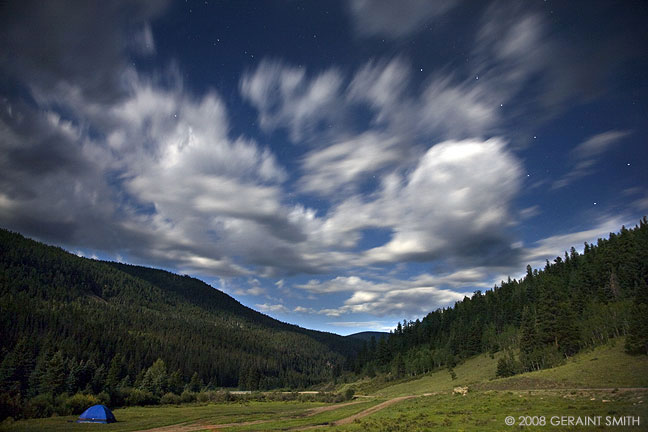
(341, 165)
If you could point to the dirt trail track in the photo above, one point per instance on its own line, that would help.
(372, 410)
(197, 426)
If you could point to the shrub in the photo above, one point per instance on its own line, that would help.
(349, 393)
(80, 402)
(170, 399)
(203, 396)
(104, 398)
(507, 366)
(141, 397)
(187, 396)
(40, 406)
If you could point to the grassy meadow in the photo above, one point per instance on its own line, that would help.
(602, 382)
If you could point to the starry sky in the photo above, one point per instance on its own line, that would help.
(340, 165)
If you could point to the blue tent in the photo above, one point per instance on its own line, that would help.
(97, 414)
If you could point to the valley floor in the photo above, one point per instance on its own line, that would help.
(603, 389)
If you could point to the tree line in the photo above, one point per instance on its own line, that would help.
(74, 325)
(578, 301)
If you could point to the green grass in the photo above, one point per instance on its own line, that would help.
(318, 419)
(474, 370)
(490, 400)
(606, 366)
(136, 418)
(486, 411)
(603, 367)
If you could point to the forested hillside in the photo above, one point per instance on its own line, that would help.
(577, 301)
(71, 324)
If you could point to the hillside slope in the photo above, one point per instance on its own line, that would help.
(94, 312)
(606, 366)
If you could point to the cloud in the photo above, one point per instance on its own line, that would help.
(397, 302)
(373, 325)
(286, 97)
(396, 297)
(587, 154)
(529, 212)
(455, 200)
(384, 18)
(143, 41)
(347, 163)
(598, 144)
(272, 308)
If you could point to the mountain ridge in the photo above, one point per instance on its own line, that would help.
(55, 301)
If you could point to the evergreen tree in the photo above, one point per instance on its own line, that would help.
(637, 339)
(114, 375)
(156, 379)
(54, 378)
(196, 383)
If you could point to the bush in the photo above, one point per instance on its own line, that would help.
(203, 396)
(104, 398)
(60, 406)
(187, 396)
(80, 402)
(40, 406)
(349, 393)
(170, 399)
(141, 398)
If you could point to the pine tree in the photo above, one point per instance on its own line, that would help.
(114, 375)
(196, 383)
(54, 378)
(637, 338)
(156, 379)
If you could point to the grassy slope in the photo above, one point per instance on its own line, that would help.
(544, 393)
(604, 367)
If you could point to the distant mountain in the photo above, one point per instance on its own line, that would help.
(367, 335)
(92, 314)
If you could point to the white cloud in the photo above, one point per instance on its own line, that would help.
(457, 196)
(598, 144)
(587, 154)
(286, 97)
(397, 302)
(457, 110)
(529, 212)
(346, 163)
(273, 308)
(253, 291)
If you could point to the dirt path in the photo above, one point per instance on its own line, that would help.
(318, 410)
(196, 426)
(371, 410)
(364, 413)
